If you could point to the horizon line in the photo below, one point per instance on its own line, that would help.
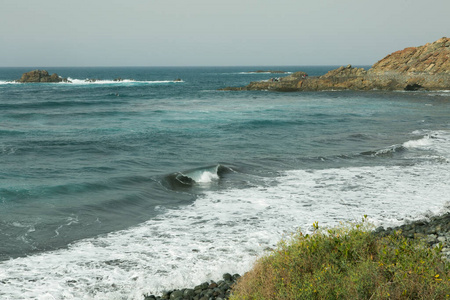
(187, 66)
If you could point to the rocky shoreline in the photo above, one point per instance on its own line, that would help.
(415, 68)
(435, 231)
(212, 290)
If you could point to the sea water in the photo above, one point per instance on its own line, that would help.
(114, 189)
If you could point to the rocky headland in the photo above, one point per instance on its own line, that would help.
(415, 68)
(40, 76)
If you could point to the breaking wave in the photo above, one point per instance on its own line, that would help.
(189, 178)
(74, 81)
(118, 82)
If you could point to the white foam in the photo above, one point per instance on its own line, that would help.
(207, 177)
(124, 81)
(74, 81)
(224, 231)
(424, 142)
(246, 73)
(3, 82)
(204, 175)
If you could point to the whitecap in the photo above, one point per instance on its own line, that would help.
(88, 81)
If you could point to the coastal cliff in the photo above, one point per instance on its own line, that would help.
(415, 68)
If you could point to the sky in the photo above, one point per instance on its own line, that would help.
(214, 33)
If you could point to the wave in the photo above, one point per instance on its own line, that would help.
(437, 142)
(189, 178)
(263, 124)
(268, 72)
(224, 230)
(424, 142)
(75, 81)
(3, 82)
(389, 151)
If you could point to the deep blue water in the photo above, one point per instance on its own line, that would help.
(80, 160)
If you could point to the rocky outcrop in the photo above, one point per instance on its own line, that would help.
(435, 232)
(432, 58)
(40, 76)
(426, 67)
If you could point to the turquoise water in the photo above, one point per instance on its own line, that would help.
(85, 163)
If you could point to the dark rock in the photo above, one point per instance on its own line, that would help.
(211, 290)
(176, 295)
(212, 285)
(188, 293)
(227, 277)
(433, 232)
(413, 87)
(224, 286)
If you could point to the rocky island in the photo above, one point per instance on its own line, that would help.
(415, 68)
(40, 76)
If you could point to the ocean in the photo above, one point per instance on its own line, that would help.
(114, 189)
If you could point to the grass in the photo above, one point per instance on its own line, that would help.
(347, 262)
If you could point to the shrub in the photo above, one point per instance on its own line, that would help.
(347, 262)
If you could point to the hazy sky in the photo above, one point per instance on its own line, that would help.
(214, 33)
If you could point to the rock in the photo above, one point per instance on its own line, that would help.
(432, 58)
(413, 87)
(40, 76)
(212, 285)
(176, 295)
(415, 68)
(188, 293)
(227, 277)
(433, 232)
(204, 291)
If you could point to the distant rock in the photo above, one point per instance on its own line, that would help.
(416, 68)
(40, 76)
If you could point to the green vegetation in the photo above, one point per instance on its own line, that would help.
(347, 262)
